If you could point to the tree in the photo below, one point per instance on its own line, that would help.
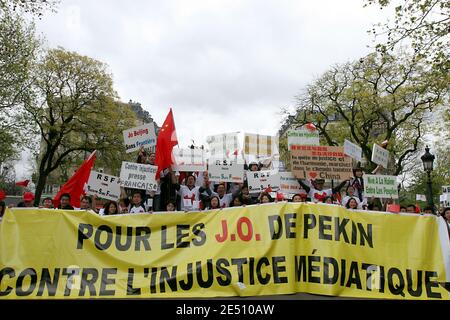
(424, 23)
(380, 97)
(73, 110)
(33, 7)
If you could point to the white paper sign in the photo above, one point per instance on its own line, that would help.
(189, 160)
(260, 145)
(421, 197)
(103, 186)
(137, 137)
(380, 186)
(223, 145)
(303, 136)
(258, 181)
(225, 171)
(138, 176)
(352, 150)
(289, 183)
(380, 155)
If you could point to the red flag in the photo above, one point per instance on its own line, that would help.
(2, 195)
(23, 183)
(394, 208)
(311, 127)
(167, 139)
(75, 185)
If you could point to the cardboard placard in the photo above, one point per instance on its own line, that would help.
(380, 186)
(104, 186)
(260, 145)
(225, 171)
(223, 145)
(189, 160)
(352, 150)
(303, 137)
(141, 136)
(138, 176)
(380, 155)
(289, 183)
(258, 181)
(324, 162)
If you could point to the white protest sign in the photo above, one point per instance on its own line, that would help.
(380, 186)
(260, 145)
(352, 150)
(103, 186)
(225, 171)
(223, 145)
(380, 155)
(289, 183)
(421, 197)
(138, 176)
(445, 189)
(137, 137)
(303, 136)
(258, 181)
(189, 160)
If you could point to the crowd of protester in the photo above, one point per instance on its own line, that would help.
(194, 191)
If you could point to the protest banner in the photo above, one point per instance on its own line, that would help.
(223, 145)
(303, 136)
(380, 186)
(141, 136)
(189, 160)
(258, 181)
(104, 186)
(260, 145)
(288, 183)
(324, 162)
(225, 171)
(276, 248)
(138, 176)
(380, 155)
(421, 197)
(352, 150)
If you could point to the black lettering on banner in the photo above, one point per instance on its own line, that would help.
(171, 279)
(70, 273)
(106, 281)
(396, 289)
(409, 280)
(365, 236)
(85, 231)
(309, 223)
(98, 234)
(354, 277)
(209, 271)
(221, 265)
(187, 285)
(275, 234)
(142, 235)
(300, 268)
(11, 273)
(128, 238)
(323, 226)
(261, 279)
(46, 280)
(326, 270)
(312, 268)
(153, 280)
(20, 291)
(290, 224)
(278, 268)
(131, 291)
(201, 235)
(164, 244)
(431, 284)
(354, 233)
(340, 229)
(382, 280)
(87, 273)
(239, 262)
(181, 235)
(343, 263)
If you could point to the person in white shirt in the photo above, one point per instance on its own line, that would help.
(136, 205)
(190, 194)
(350, 193)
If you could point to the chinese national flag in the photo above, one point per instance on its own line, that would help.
(167, 139)
(23, 183)
(75, 186)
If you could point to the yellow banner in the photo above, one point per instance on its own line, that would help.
(270, 249)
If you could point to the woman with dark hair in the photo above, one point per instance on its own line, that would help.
(237, 201)
(214, 203)
(328, 200)
(111, 208)
(446, 215)
(265, 198)
(352, 204)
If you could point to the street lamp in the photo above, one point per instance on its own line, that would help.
(427, 160)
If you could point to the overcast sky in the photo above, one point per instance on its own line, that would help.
(223, 66)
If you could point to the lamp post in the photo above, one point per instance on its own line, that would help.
(427, 160)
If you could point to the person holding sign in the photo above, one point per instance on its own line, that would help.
(316, 192)
(190, 195)
(136, 205)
